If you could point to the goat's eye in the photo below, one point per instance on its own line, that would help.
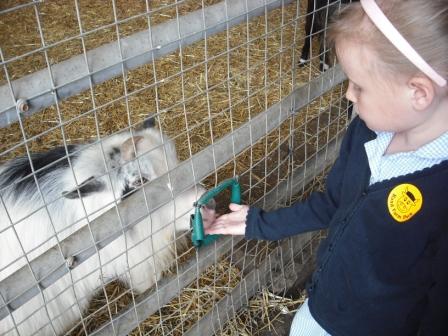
(143, 180)
(140, 181)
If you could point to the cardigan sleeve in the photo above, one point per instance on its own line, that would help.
(314, 213)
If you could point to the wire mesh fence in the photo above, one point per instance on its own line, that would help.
(115, 117)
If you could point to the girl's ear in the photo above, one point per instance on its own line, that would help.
(422, 92)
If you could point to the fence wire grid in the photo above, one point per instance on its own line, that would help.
(115, 117)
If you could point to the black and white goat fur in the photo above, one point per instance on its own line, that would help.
(33, 217)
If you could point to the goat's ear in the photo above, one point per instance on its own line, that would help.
(88, 187)
(150, 122)
(127, 148)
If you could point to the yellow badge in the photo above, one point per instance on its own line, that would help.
(404, 201)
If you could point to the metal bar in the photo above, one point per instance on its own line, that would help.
(72, 76)
(19, 287)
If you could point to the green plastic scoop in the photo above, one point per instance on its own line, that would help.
(198, 237)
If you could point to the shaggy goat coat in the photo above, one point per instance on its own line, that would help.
(40, 209)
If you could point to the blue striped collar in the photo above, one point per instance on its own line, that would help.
(387, 166)
(434, 150)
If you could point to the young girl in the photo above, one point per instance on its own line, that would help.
(383, 269)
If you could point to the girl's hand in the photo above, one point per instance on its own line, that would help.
(233, 223)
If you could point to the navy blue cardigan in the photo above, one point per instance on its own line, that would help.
(375, 275)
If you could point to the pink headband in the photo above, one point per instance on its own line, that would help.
(385, 26)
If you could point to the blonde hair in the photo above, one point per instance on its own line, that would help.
(423, 23)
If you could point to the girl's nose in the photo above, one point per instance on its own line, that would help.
(350, 94)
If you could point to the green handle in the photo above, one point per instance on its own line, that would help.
(198, 237)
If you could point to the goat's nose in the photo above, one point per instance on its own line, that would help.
(211, 204)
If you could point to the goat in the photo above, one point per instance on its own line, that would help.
(318, 14)
(51, 198)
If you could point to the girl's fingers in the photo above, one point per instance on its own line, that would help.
(225, 230)
(212, 230)
(235, 207)
(215, 230)
(233, 223)
(208, 221)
